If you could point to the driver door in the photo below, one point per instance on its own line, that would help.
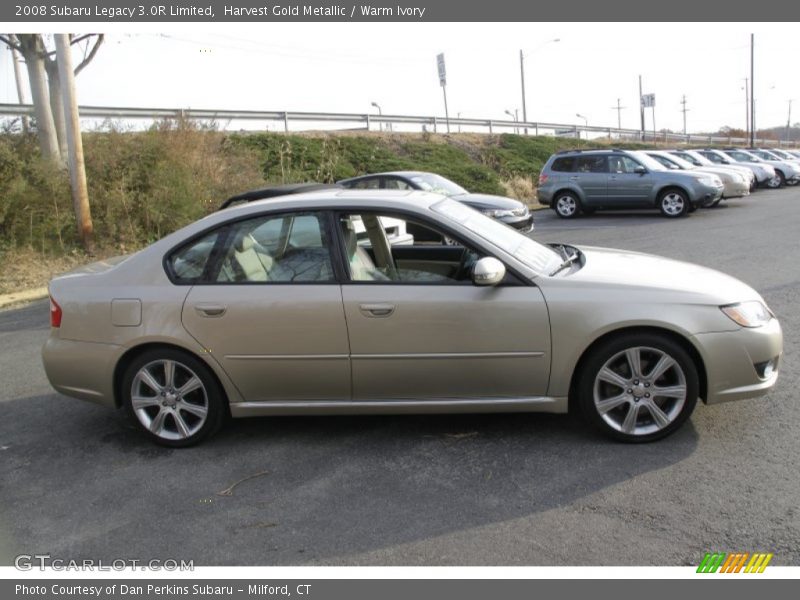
(418, 327)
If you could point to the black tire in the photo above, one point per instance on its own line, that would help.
(172, 407)
(674, 203)
(566, 205)
(611, 356)
(778, 181)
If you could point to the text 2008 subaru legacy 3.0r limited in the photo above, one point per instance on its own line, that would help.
(304, 305)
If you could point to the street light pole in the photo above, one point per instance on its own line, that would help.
(380, 114)
(752, 92)
(585, 122)
(789, 122)
(522, 77)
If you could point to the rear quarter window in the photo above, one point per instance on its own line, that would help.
(187, 264)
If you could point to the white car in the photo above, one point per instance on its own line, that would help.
(765, 174)
(734, 184)
(698, 160)
(785, 172)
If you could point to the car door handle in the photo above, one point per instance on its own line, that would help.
(377, 310)
(210, 310)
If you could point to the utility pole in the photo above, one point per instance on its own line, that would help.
(618, 108)
(789, 122)
(20, 89)
(746, 108)
(684, 110)
(641, 105)
(77, 172)
(522, 78)
(752, 92)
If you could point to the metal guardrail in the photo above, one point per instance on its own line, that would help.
(366, 121)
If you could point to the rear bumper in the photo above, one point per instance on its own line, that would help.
(731, 360)
(736, 190)
(82, 370)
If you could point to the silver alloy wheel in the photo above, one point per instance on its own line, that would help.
(169, 399)
(640, 391)
(673, 204)
(566, 206)
(775, 182)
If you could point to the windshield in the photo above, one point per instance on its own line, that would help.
(698, 157)
(537, 257)
(743, 156)
(431, 182)
(765, 155)
(782, 154)
(650, 163)
(682, 163)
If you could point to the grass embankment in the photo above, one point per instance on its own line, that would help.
(143, 185)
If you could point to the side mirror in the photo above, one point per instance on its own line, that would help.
(488, 271)
(640, 170)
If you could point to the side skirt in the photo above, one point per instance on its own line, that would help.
(400, 406)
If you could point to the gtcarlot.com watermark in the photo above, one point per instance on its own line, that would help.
(42, 562)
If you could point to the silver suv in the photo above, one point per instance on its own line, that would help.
(575, 181)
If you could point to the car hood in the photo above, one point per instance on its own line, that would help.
(621, 268)
(488, 201)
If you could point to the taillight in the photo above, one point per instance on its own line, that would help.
(542, 178)
(55, 313)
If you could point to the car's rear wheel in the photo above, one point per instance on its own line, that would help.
(776, 182)
(173, 397)
(566, 205)
(638, 387)
(673, 203)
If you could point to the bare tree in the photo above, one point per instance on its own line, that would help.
(45, 84)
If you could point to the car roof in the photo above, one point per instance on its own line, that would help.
(276, 191)
(593, 151)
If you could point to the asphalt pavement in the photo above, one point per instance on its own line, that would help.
(78, 481)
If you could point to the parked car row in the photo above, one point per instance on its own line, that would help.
(676, 182)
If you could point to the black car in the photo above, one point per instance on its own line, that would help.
(506, 210)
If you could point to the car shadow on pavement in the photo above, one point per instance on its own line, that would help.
(79, 481)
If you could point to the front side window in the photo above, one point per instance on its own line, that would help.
(622, 164)
(279, 249)
(392, 249)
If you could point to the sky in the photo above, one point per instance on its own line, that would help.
(344, 67)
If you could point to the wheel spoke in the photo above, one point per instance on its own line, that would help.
(629, 424)
(197, 411)
(603, 406)
(157, 424)
(183, 428)
(169, 373)
(610, 376)
(672, 391)
(146, 377)
(139, 402)
(659, 416)
(662, 366)
(193, 384)
(634, 360)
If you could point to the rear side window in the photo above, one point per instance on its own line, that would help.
(563, 164)
(189, 263)
(592, 164)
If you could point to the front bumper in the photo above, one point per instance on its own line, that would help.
(708, 195)
(732, 360)
(522, 224)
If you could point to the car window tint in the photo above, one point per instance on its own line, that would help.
(373, 183)
(391, 183)
(563, 164)
(592, 164)
(189, 263)
(281, 249)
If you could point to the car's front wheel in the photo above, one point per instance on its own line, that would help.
(638, 387)
(173, 397)
(673, 203)
(566, 205)
(777, 182)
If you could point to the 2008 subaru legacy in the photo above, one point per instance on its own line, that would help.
(300, 305)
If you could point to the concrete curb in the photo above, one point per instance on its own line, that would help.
(23, 296)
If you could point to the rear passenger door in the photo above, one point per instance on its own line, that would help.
(268, 308)
(591, 175)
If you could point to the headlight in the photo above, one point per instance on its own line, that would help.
(499, 213)
(748, 314)
(711, 181)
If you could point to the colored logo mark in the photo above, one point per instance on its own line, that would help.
(735, 562)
